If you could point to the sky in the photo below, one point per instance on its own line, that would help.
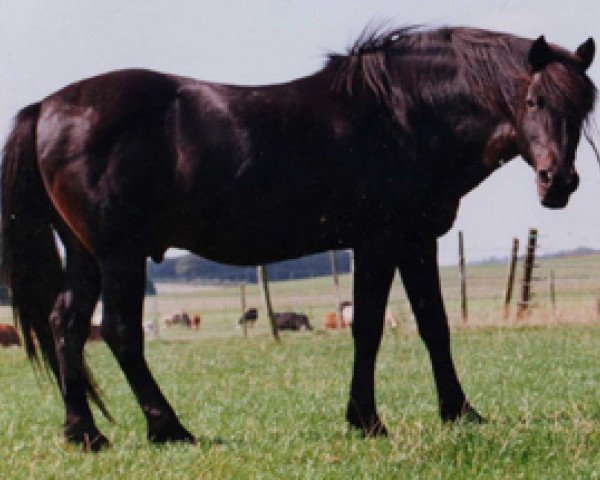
(46, 45)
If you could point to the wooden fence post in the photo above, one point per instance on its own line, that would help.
(553, 292)
(463, 277)
(262, 274)
(243, 304)
(527, 273)
(336, 289)
(512, 265)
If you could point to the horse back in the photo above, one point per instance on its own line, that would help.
(141, 160)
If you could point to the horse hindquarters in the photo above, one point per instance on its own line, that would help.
(34, 273)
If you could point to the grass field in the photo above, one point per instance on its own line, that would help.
(264, 410)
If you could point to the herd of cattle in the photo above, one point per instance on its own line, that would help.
(291, 321)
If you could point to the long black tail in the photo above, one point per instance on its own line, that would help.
(31, 261)
(32, 267)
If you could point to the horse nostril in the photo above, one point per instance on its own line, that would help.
(545, 176)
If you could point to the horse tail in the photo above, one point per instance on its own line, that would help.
(31, 263)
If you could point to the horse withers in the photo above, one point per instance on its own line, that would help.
(373, 152)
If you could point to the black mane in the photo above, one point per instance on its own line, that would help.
(432, 64)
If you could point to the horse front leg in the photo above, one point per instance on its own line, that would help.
(373, 276)
(419, 271)
(123, 280)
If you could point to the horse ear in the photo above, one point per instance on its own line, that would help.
(539, 54)
(585, 52)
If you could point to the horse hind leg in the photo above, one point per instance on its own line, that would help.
(70, 322)
(123, 281)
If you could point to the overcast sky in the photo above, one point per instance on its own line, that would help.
(47, 44)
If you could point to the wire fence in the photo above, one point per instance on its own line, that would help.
(563, 290)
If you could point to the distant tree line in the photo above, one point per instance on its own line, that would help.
(193, 268)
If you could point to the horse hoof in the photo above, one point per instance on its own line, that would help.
(465, 414)
(95, 444)
(471, 415)
(90, 442)
(82, 431)
(378, 429)
(370, 424)
(174, 433)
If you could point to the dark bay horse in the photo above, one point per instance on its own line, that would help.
(373, 152)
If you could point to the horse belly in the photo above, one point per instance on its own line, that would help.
(246, 231)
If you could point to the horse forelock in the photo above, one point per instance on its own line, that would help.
(568, 89)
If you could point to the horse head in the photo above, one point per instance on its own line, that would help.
(558, 98)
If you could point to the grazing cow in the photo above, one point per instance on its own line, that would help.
(184, 319)
(292, 321)
(195, 322)
(331, 321)
(348, 312)
(9, 336)
(249, 317)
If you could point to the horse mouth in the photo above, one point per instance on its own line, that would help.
(555, 198)
(555, 195)
(555, 203)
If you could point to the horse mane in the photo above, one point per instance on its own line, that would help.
(366, 58)
(492, 67)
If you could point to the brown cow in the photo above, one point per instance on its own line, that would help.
(183, 319)
(347, 313)
(9, 336)
(195, 322)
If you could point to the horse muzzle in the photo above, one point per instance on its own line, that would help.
(554, 189)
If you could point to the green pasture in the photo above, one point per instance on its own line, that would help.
(276, 411)
(266, 410)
